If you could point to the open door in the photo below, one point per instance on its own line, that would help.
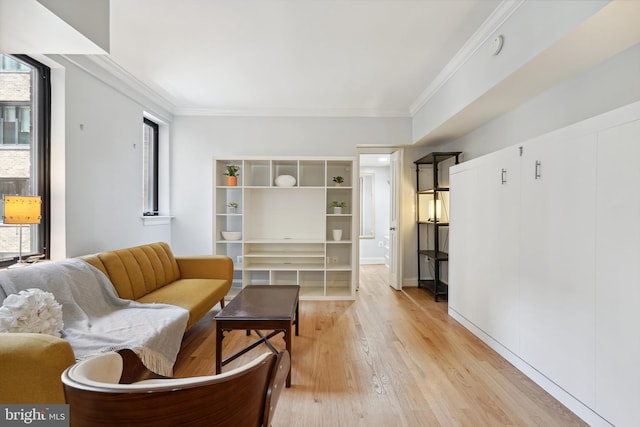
(395, 171)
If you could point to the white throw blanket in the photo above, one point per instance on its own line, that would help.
(96, 320)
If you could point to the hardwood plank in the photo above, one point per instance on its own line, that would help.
(389, 358)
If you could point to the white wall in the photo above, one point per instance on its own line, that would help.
(197, 140)
(102, 167)
(370, 251)
(609, 85)
(531, 29)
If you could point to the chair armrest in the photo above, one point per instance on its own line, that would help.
(30, 368)
(205, 267)
(277, 382)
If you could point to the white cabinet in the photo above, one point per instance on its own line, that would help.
(557, 255)
(483, 262)
(618, 275)
(289, 232)
(546, 272)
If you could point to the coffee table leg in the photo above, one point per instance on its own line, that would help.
(287, 341)
(297, 318)
(219, 336)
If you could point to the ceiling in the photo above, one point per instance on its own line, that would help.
(291, 57)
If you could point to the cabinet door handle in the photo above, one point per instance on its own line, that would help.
(538, 170)
(503, 176)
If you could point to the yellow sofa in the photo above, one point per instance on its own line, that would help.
(152, 274)
(31, 364)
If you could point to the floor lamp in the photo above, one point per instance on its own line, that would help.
(22, 210)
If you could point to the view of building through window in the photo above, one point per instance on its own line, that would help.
(17, 165)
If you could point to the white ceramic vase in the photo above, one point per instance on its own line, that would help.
(285, 181)
(337, 234)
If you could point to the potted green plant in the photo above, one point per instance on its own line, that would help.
(232, 175)
(337, 206)
(232, 207)
(338, 180)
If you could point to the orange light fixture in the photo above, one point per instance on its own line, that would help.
(22, 210)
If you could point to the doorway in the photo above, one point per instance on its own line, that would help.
(379, 178)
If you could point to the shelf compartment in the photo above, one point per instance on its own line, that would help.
(284, 213)
(284, 277)
(256, 277)
(227, 223)
(287, 250)
(338, 283)
(312, 173)
(338, 222)
(257, 173)
(339, 195)
(221, 168)
(290, 255)
(225, 195)
(282, 264)
(231, 249)
(311, 283)
(338, 256)
(343, 168)
(284, 167)
(426, 211)
(283, 254)
(440, 162)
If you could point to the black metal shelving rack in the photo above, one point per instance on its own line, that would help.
(431, 248)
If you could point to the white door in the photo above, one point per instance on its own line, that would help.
(557, 255)
(395, 255)
(483, 252)
(617, 291)
(464, 288)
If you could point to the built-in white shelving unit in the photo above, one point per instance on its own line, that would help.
(286, 231)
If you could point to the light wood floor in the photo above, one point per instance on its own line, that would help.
(389, 358)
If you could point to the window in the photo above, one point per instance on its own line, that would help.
(25, 108)
(150, 167)
(15, 124)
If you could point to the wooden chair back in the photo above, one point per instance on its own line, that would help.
(244, 397)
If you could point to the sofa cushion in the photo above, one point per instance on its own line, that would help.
(139, 270)
(195, 295)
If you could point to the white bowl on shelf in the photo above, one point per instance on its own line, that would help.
(231, 235)
(285, 181)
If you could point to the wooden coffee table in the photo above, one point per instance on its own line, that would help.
(259, 307)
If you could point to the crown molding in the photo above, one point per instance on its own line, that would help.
(479, 37)
(109, 72)
(293, 112)
(123, 77)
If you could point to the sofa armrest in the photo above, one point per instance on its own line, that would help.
(205, 267)
(30, 368)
